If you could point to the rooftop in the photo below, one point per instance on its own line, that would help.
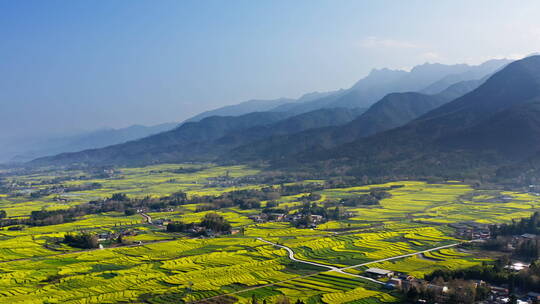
(379, 271)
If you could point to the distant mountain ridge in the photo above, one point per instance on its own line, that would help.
(242, 108)
(402, 132)
(394, 110)
(428, 78)
(31, 149)
(267, 134)
(205, 139)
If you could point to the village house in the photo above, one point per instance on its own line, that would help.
(528, 236)
(517, 266)
(533, 296)
(378, 273)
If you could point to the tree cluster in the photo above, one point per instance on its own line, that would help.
(521, 226)
(458, 291)
(372, 198)
(497, 273)
(211, 222)
(82, 240)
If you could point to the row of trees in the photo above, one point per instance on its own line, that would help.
(64, 188)
(118, 202)
(251, 198)
(523, 225)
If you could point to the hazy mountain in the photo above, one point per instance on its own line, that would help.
(306, 121)
(480, 72)
(331, 134)
(427, 78)
(272, 105)
(310, 102)
(25, 149)
(495, 124)
(459, 89)
(206, 139)
(243, 108)
(392, 111)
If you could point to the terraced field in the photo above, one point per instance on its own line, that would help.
(421, 264)
(168, 268)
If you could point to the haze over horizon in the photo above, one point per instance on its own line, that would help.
(77, 65)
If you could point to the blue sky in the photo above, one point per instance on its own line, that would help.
(72, 65)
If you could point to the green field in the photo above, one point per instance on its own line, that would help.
(170, 267)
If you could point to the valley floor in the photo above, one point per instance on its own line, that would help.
(413, 231)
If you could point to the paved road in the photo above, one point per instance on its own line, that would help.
(147, 217)
(291, 255)
(332, 268)
(342, 270)
(402, 256)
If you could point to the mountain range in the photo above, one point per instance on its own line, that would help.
(427, 78)
(394, 110)
(487, 123)
(206, 139)
(283, 130)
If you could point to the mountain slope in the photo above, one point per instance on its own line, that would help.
(392, 111)
(205, 140)
(311, 120)
(513, 132)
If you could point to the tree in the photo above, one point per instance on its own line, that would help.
(215, 222)
(178, 198)
(283, 300)
(121, 197)
(3, 214)
(130, 211)
(176, 226)
(413, 294)
(83, 240)
(120, 239)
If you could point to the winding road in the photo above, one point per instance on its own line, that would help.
(342, 270)
(146, 217)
